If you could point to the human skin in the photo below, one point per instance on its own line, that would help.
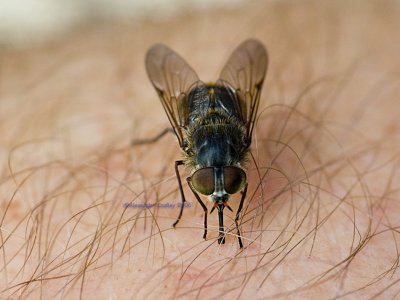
(321, 216)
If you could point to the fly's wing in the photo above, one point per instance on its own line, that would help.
(244, 74)
(172, 78)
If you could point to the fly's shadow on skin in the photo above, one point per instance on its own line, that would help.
(212, 122)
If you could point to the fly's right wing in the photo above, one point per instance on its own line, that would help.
(244, 74)
(173, 79)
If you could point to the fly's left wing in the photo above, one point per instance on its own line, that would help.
(173, 79)
(244, 74)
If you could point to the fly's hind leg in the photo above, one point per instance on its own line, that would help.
(153, 139)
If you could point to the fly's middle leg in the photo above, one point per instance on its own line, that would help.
(177, 164)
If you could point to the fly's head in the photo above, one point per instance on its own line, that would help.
(219, 183)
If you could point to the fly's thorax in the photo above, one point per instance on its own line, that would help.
(217, 144)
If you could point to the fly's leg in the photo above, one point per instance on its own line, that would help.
(202, 205)
(177, 164)
(238, 214)
(153, 139)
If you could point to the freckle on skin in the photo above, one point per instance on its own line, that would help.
(14, 209)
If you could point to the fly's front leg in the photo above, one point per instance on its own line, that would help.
(202, 205)
(238, 215)
(177, 164)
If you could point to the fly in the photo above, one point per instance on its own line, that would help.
(212, 122)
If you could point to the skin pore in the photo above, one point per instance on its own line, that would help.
(84, 214)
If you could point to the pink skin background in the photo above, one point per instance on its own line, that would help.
(321, 218)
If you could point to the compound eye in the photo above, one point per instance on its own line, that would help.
(203, 181)
(234, 179)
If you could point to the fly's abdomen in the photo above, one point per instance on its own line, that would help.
(207, 99)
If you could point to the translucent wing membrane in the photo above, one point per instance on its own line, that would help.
(244, 73)
(173, 78)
